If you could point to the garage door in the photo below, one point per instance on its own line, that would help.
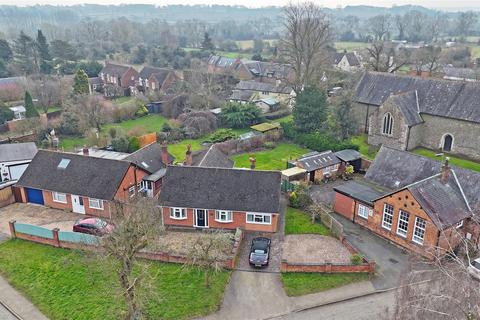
(34, 195)
(17, 171)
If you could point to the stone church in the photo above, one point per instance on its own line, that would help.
(405, 112)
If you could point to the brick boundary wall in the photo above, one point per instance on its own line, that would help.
(156, 256)
(366, 266)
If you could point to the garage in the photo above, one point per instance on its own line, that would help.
(34, 195)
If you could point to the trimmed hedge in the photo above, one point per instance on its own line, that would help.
(316, 141)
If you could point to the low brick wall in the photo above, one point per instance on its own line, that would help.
(156, 256)
(366, 266)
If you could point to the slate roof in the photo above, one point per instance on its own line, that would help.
(114, 69)
(407, 103)
(147, 71)
(351, 58)
(212, 157)
(149, 158)
(241, 95)
(395, 169)
(451, 99)
(364, 192)
(347, 155)
(262, 86)
(85, 176)
(17, 151)
(315, 160)
(221, 189)
(443, 202)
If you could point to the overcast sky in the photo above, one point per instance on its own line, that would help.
(446, 4)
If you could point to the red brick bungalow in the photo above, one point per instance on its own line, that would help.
(223, 198)
(79, 183)
(414, 202)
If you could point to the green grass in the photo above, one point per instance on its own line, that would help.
(364, 148)
(298, 222)
(467, 164)
(274, 159)
(150, 123)
(297, 284)
(65, 284)
(350, 45)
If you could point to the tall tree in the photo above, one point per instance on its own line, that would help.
(207, 43)
(30, 111)
(307, 35)
(43, 53)
(80, 83)
(310, 110)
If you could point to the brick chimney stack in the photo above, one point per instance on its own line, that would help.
(188, 156)
(85, 151)
(445, 170)
(253, 161)
(165, 156)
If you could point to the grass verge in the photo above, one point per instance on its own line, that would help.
(297, 284)
(64, 284)
(463, 163)
(298, 222)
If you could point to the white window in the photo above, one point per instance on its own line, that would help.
(402, 226)
(59, 197)
(459, 225)
(223, 216)
(363, 211)
(259, 218)
(131, 191)
(419, 231)
(178, 213)
(95, 203)
(387, 216)
(387, 127)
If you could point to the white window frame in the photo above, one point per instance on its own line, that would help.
(223, 216)
(387, 225)
(95, 203)
(182, 213)
(400, 231)
(56, 196)
(416, 238)
(255, 215)
(363, 211)
(459, 225)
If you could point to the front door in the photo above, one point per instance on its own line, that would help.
(201, 218)
(77, 204)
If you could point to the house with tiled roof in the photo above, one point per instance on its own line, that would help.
(79, 183)
(406, 112)
(416, 202)
(222, 198)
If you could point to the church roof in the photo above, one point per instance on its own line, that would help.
(451, 99)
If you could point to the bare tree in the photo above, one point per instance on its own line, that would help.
(93, 111)
(136, 226)
(384, 58)
(442, 288)
(380, 26)
(307, 34)
(210, 252)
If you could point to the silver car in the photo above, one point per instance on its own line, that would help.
(474, 269)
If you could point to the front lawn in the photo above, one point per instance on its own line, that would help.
(297, 284)
(64, 284)
(298, 222)
(467, 164)
(273, 159)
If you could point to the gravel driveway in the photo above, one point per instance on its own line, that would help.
(315, 249)
(37, 215)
